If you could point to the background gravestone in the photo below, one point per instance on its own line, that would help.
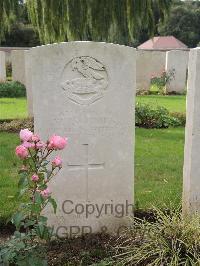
(177, 60)
(191, 171)
(86, 91)
(2, 66)
(149, 63)
(28, 82)
(18, 65)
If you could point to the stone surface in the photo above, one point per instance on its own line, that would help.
(191, 171)
(85, 91)
(177, 60)
(28, 82)
(2, 66)
(18, 65)
(148, 63)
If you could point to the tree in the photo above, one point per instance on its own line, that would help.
(98, 20)
(8, 9)
(183, 22)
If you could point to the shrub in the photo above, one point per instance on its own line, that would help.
(160, 81)
(180, 116)
(159, 117)
(171, 240)
(12, 89)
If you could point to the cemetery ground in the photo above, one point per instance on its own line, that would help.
(158, 179)
(158, 158)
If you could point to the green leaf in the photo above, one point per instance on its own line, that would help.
(42, 219)
(17, 219)
(23, 181)
(29, 223)
(53, 203)
(36, 208)
(38, 198)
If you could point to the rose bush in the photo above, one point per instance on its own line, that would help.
(35, 174)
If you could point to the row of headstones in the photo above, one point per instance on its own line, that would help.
(148, 63)
(21, 71)
(86, 91)
(17, 59)
(153, 63)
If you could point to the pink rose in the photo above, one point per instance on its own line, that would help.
(57, 143)
(57, 162)
(25, 134)
(45, 193)
(35, 138)
(40, 145)
(35, 178)
(21, 152)
(28, 145)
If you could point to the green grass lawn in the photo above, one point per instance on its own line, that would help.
(11, 108)
(158, 173)
(8, 174)
(158, 167)
(175, 103)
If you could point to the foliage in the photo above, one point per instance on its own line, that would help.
(12, 89)
(35, 174)
(7, 10)
(97, 20)
(162, 80)
(21, 35)
(149, 117)
(183, 22)
(170, 240)
(180, 116)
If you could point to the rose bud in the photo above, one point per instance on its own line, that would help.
(35, 178)
(45, 193)
(21, 152)
(35, 138)
(57, 143)
(57, 162)
(25, 134)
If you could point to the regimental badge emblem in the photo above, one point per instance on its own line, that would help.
(84, 80)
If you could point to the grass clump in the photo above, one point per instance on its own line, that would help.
(169, 240)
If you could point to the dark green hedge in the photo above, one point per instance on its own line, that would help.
(12, 89)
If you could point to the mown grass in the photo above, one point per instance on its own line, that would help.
(158, 168)
(175, 103)
(8, 174)
(11, 108)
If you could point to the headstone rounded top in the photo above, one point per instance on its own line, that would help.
(81, 43)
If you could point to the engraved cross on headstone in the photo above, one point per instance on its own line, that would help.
(86, 166)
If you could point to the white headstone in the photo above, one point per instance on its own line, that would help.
(149, 63)
(18, 65)
(177, 60)
(28, 82)
(85, 91)
(2, 66)
(191, 171)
